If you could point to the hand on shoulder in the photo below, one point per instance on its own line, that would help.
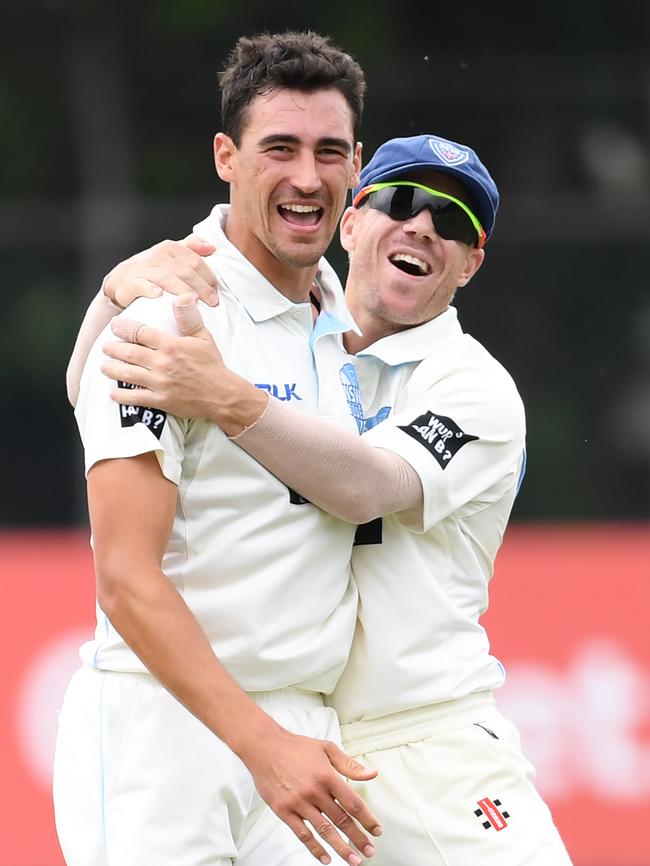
(170, 266)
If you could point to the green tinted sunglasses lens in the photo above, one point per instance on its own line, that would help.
(451, 221)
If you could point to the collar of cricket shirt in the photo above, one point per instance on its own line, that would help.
(418, 343)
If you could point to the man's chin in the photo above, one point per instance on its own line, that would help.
(300, 256)
(301, 250)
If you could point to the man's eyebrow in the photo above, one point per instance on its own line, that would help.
(343, 143)
(286, 138)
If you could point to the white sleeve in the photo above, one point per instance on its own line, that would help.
(464, 436)
(331, 467)
(109, 430)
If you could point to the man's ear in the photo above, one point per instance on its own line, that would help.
(225, 151)
(473, 262)
(347, 228)
(356, 165)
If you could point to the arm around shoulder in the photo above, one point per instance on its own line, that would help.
(98, 315)
(330, 466)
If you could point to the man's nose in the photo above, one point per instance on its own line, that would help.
(305, 175)
(421, 224)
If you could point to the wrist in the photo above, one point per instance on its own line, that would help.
(239, 405)
(254, 731)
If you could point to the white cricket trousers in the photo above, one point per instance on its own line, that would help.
(139, 781)
(454, 788)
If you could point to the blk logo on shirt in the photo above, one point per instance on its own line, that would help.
(440, 435)
(285, 392)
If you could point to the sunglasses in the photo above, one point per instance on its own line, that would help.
(402, 199)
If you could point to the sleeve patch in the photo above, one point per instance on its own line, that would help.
(154, 419)
(439, 435)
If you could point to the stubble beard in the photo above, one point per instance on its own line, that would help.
(297, 258)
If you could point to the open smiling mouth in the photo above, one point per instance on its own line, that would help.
(301, 214)
(410, 264)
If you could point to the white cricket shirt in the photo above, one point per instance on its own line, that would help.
(454, 413)
(266, 574)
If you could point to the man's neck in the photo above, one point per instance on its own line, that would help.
(293, 282)
(372, 329)
(354, 342)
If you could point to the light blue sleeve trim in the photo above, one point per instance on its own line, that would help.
(102, 786)
(522, 471)
(101, 643)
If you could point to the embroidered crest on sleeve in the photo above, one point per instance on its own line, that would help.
(154, 419)
(439, 435)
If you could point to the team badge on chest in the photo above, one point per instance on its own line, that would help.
(438, 434)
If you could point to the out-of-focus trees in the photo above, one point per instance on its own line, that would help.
(107, 113)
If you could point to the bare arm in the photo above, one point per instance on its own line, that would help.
(333, 468)
(132, 508)
(98, 315)
(172, 266)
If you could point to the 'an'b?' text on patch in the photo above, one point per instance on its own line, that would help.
(438, 434)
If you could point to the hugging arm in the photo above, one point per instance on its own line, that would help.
(98, 315)
(332, 467)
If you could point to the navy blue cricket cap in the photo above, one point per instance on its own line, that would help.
(399, 156)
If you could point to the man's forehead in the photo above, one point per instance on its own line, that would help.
(317, 114)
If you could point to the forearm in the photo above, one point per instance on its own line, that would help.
(98, 315)
(332, 467)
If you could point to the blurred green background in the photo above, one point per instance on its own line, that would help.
(108, 110)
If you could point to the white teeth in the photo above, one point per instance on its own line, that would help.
(301, 208)
(411, 260)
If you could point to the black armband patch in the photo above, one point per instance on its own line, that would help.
(154, 419)
(439, 435)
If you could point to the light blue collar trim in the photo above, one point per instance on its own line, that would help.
(327, 323)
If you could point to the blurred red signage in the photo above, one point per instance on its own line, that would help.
(568, 618)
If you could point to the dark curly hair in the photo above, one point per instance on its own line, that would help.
(298, 61)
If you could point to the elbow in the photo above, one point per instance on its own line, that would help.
(364, 514)
(108, 593)
(112, 586)
(357, 509)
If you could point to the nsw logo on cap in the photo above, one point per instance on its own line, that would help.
(448, 152)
